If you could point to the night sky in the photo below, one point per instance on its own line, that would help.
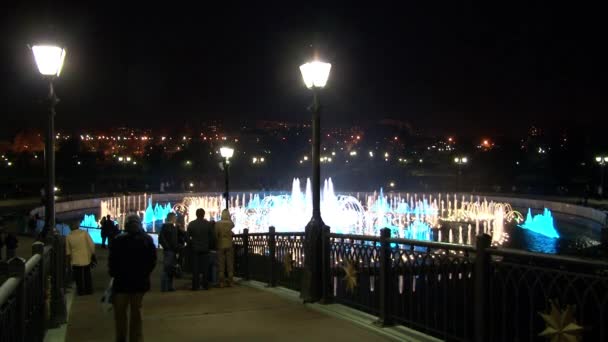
(442, 66)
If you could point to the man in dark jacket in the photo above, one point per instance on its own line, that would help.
(132, 259)
(169, 242)
(201, 235)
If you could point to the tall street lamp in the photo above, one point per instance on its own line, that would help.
(49, 59)
(460, 162)
(226, 153)
(602, 161)
(315, 75)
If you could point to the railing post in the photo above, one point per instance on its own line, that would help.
(482, 263)
(246, 254)
(385, 318)
(39, 293)
(326, 294)
(272, 250)
(58, 305)
(16, 268)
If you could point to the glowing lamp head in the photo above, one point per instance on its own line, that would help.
(456, 160)
(464, 160)
(226, 152)
(49, 59)
(315, 74)
(606, 159)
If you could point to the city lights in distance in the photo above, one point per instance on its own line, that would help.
(391, 184)
(353, 153)
(371, 154)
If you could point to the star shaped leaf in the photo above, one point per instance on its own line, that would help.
(350, 276)
(561, 326)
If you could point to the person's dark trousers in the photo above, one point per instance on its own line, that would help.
(82, 277)
(200, 267)
(166, 276)
(10, 253)
(103, 240)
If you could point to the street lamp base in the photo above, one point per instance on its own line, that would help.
(312, 282)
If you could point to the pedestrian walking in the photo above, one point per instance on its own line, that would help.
(131, 261)
(81, 252)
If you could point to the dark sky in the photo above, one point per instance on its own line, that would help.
(458, 66)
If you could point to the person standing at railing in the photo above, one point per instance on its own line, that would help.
(200, 234)
(80, 250)
(132, 259)
(168, 240)
(225, 252)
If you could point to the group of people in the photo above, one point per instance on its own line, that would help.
(132, 258)
(109, 230)
(10, 242)
(201, 239)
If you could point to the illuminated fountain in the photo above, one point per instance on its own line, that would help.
(89, 221)
(542, 224)
(441, 217)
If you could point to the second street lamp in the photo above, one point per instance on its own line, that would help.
(460, 161)
(226, 153)
(315, 75)
(602, 161)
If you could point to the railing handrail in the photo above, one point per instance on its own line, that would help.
(289, 234)
(355, 237)
(433, 244)
(31, 263)
(7, 288)
(546, 257)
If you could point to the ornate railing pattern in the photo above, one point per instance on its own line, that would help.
(289, 259)
(274, 258)
(454, 292)
(432, 287)
(521, 285)
(354, 270)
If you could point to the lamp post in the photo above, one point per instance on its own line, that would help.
(226, 153)
(49, 59)
(460, 161)
(602, 161)
(315, 75)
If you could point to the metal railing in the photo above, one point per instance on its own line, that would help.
(32, 292)
(454, 292)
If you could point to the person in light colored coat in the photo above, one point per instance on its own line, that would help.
(80, 249)
(225, 252)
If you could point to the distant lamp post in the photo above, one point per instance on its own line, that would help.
(226, 153)
(460, 162)
(602, 162)
(315, 75)
(49, 59)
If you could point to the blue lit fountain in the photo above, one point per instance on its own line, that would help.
(158, 213)
(542, 224)
(89, 221)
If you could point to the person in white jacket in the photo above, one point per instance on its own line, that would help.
(80, 250)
